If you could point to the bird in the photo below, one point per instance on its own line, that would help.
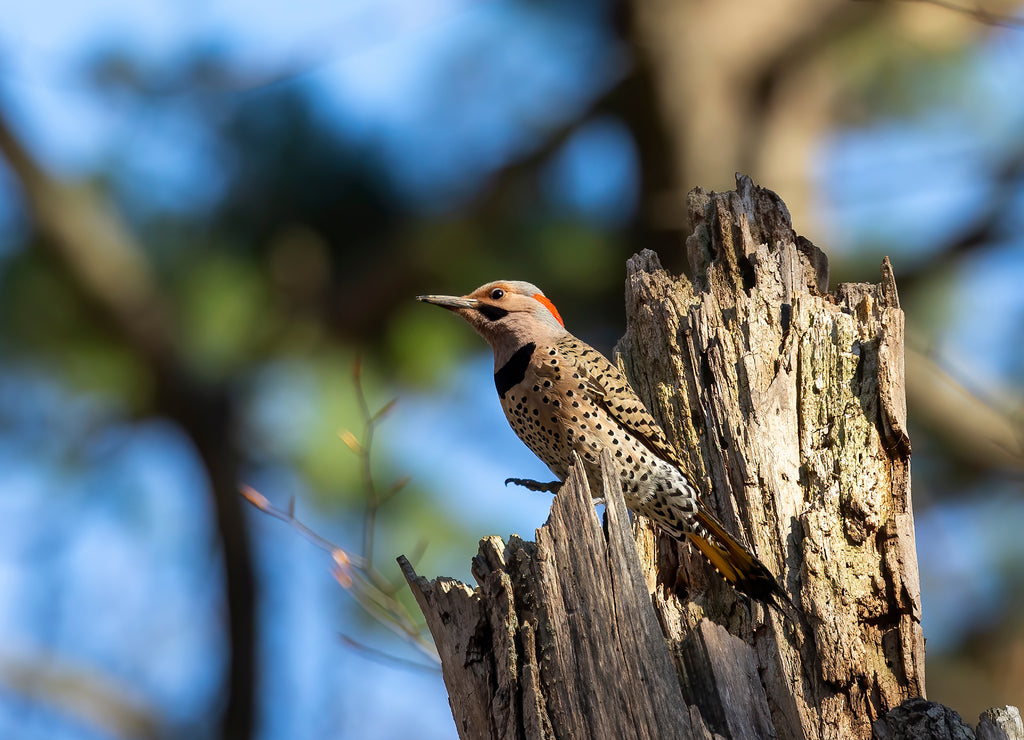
(563, 397)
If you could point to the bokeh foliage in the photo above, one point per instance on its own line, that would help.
(286, 237)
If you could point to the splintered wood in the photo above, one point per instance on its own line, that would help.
(787, 403)
(560, 638)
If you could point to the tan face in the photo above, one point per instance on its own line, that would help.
(507, 313)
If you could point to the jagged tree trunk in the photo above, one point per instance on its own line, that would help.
(788, 402)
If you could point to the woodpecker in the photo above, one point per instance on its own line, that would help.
(562, 396)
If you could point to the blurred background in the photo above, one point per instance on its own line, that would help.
(208, 211)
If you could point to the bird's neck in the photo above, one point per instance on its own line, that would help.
(507, 344)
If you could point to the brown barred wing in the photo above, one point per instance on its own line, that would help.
(610, 390)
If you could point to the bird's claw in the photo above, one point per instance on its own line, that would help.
(534, 485)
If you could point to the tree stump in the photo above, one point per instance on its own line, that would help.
(787, 402)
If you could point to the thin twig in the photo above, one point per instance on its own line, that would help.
(372, 500)
(364, 450)
(385, 657)
(355, 577)
(374, 593)
(262, 503)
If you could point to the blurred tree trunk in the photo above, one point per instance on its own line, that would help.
(85, 239)
(751, 88)
(788, 402)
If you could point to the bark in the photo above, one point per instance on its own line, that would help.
(788, 403)
(917, 719)
(544, 646)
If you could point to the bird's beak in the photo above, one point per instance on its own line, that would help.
(449, 301)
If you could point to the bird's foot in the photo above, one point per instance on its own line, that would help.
(534, 485)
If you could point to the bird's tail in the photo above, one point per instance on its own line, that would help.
(734, 562)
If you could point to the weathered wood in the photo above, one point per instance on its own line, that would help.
(1000, 723)
(787, 402)
(560, 638)
(917, 719)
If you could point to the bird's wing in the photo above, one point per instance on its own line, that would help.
(607, 387)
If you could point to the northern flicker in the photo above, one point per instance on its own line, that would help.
(562, 396)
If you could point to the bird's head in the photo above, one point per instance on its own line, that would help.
(507, 313)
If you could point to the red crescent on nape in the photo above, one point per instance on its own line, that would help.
(550, 306)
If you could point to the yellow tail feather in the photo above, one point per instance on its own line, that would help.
(735, 563)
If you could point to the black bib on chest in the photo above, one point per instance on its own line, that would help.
(513, 371)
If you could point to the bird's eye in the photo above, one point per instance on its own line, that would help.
(497, 294)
